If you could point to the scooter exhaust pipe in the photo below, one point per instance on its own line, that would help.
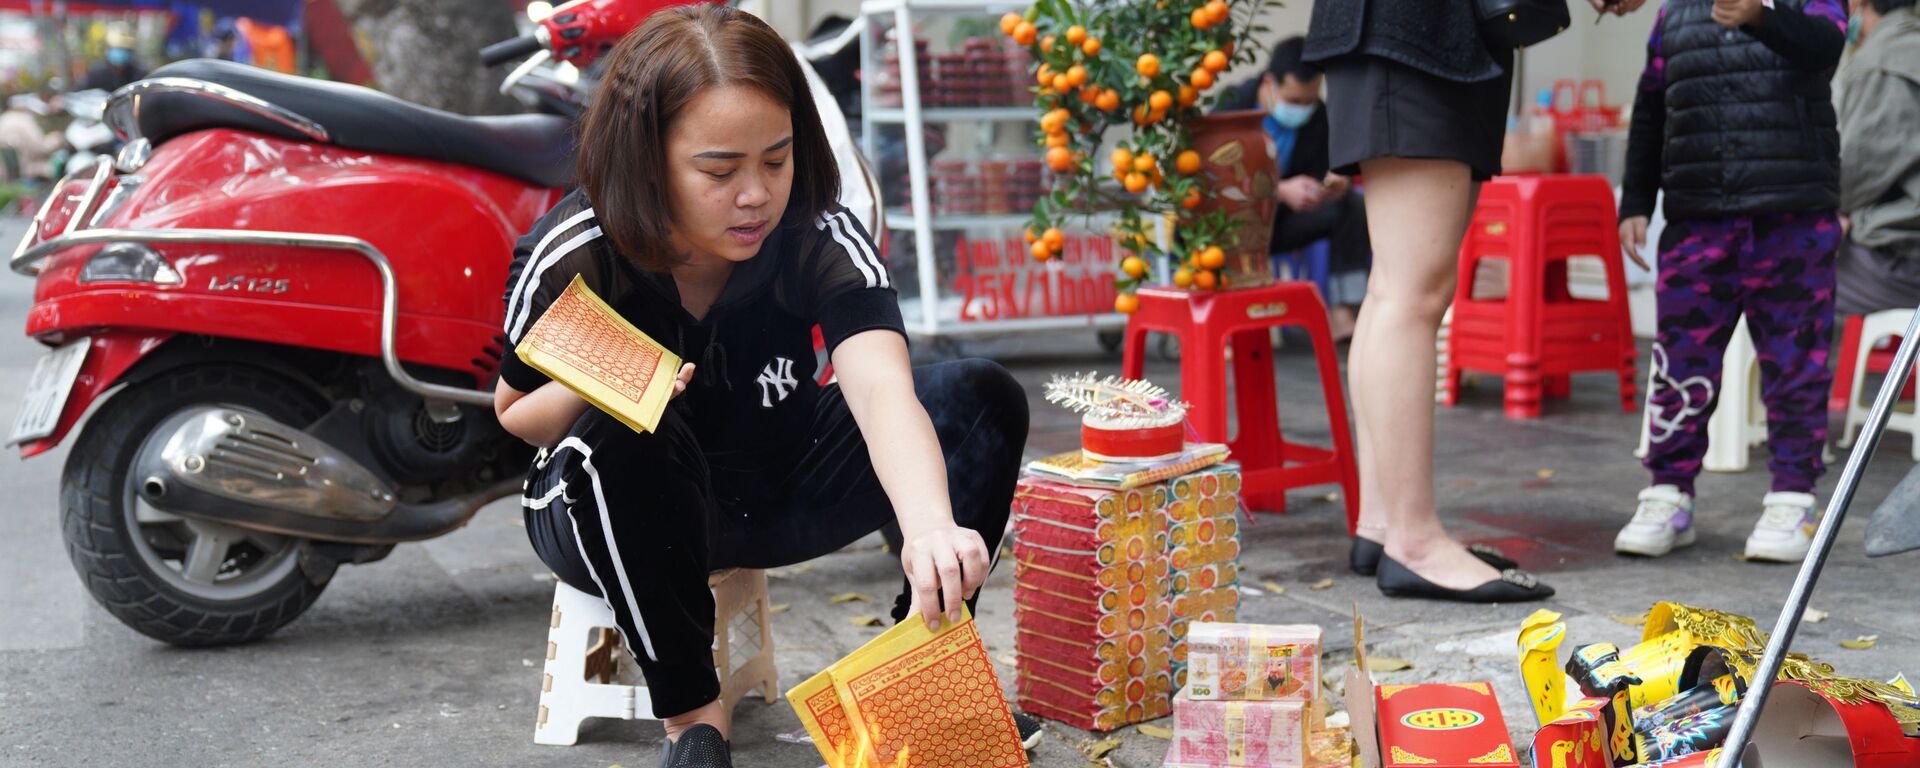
(244, 469)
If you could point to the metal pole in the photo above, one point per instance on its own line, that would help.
(1762, 683)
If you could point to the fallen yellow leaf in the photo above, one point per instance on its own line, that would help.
(778, 607)
(1321, 584)
(1544, 474)
(1156, 731)
(1100, 750)
(1274, 588)
(1863, 643)
(850, 597)
(1631, 621)
(868, 621)
(1387, 664)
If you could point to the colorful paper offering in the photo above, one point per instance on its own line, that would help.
(1685, 736)
(1241, 734)
(1204, 540)
(1253, 661)
(1443, 725)
(589, 348)
(1091, 643)
(911, 698)
(1722, 691)
(1577, 739)
(1598, 671)
(1540, 638)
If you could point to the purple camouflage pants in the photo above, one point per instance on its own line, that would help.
(1778, 270)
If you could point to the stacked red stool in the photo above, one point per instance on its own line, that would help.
(1538, 334)
(1205, 324)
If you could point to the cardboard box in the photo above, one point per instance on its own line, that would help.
(1238, 734)
(1431, 725)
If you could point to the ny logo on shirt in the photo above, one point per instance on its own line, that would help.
(776, 381)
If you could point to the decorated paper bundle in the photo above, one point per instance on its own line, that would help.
(1253, 661)
(1108, 662)
(1204, 539)
(1209, 493)
(1205, 577)
(1091, 640)
(1038, 611)
(1249, 734)
(1063, 683)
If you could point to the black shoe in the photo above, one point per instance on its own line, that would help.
(1513, 586)
(1364, 558)
(698, 747)
(1029, 727)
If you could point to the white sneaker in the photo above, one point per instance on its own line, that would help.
(1662, 523)
(1785, 531)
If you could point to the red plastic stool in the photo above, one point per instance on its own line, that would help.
(1205, 323)
(1538, 334)
(1878, 361)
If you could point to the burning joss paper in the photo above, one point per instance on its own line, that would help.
(911, 698)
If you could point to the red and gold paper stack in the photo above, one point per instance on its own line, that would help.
(1091, 611)
(1204, 534)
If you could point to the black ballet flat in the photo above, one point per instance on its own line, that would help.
(1364, 558)
(1513, 586)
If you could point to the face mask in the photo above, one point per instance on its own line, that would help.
(1853, 30)
(119, 57)
(1292, 115)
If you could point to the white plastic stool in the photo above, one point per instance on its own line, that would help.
(583, 647)
(1738, 422)
(1873, 328)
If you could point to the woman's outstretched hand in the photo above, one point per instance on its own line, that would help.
(945, 566)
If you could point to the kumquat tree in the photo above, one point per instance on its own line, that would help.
(1150, 67)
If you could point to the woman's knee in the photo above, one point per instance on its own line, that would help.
(1426, 302)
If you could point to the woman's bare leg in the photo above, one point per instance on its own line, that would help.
(1417, 212)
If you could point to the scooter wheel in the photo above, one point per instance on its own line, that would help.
(179, 580)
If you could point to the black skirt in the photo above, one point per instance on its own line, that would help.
(1382, 108)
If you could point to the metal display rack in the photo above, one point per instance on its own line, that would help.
(934, 311)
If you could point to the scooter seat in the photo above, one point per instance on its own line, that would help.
(534, 148)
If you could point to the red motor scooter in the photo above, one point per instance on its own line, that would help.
(291, 289)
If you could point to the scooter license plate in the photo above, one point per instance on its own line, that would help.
(47, 391)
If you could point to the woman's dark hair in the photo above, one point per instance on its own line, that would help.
(649, 77)
(1888, 6)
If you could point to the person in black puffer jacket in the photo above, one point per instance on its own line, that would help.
(1734, 120)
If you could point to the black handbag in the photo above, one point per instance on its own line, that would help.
(1508, 24)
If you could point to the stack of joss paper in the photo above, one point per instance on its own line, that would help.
(1204, 555)
(1251, 696)
(911, 698)
(1091, 610)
